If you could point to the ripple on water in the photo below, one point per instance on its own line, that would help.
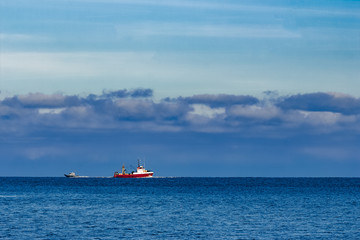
(180, 208)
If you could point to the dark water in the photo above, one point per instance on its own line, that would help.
(180, 208)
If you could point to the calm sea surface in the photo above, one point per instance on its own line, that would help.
(180, 208)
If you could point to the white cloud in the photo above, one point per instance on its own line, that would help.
(204, 30)
(40, 98)
(339, 95)
(21, 37)
(51, 110)
(206, 111)
(75, 72)
(329, 121)
(255, 111)
(233, 7)
(105, 112)
(83, 64)
(325, 118)
(78, 72)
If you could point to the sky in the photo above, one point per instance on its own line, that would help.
(195, 88)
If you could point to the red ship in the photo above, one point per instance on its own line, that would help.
(141, 172)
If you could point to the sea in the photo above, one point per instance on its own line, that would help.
(179, 208)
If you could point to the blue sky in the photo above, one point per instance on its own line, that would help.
(236, 88)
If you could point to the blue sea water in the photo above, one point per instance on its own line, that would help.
(180, 208)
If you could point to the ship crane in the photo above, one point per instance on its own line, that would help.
(141, 172)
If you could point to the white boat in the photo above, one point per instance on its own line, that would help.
(71, 175)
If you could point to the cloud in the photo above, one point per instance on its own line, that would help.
(219, 100)
(203, 30)
(322, 102)
(206, 5)
(217, 130)
(135, 110)
(39, 100)
(19, 37)
(132, 93)
(254, 112)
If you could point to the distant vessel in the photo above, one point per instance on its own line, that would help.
(141, 172)
(71, 175)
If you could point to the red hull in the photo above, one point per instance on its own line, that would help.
(133, 175)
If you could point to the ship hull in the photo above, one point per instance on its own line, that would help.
(143, 175)
(71, 175)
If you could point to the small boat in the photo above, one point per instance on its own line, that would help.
(141, 172)
(71, 175)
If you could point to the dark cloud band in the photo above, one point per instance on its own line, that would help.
(136, 110)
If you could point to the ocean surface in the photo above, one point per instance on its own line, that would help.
(180, 208)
